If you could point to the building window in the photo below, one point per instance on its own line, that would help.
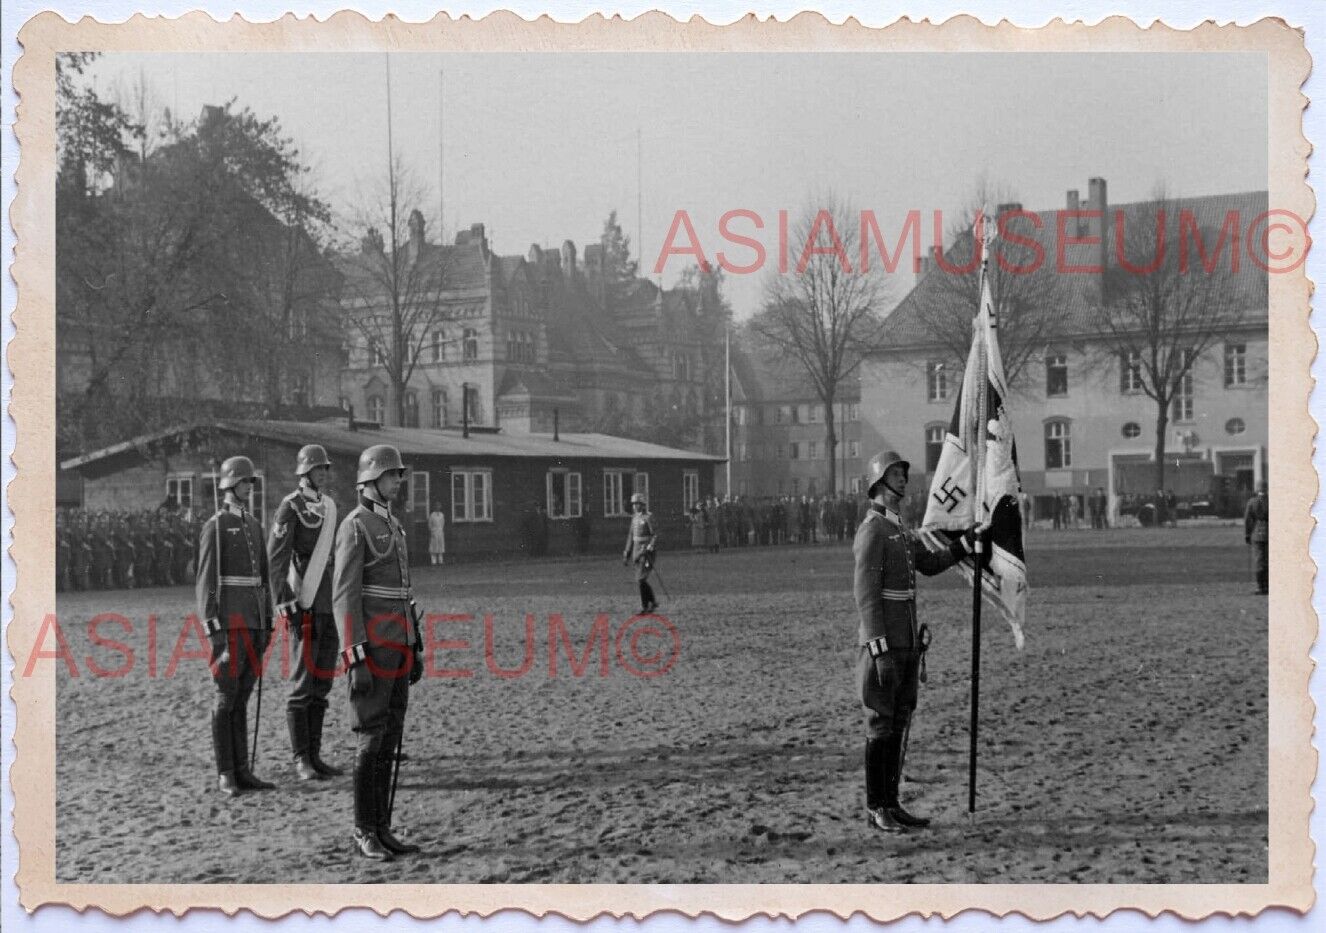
(936, 381)
(739, 412)
(299, 393)
(640, 484)
(934, 446)
(812, 450)
(418, 500)
(854, 412)
(438, 346)
(439, 408)
(794, 451)
(1235, 426)
(1058, 445)
(472, 405)
(855, 485)
(798, 414)
(614, 493)
(681, 366)
(411, 410)
(1132, 429)
(179, 492)
(1130, 372)
(376, 411)
(854, 449)
(563, 494)
(814, 414)
(1236, 364)
(471, 344)
(796, 486)
(784, 414)
(471, 495)
(1183, 397)
(690, 489)
(1056, 375)
(782, 453)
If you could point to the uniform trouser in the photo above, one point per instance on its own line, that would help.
(234, 678)
(643, 568)
(1261, 561)
(889, 701)
(316, 644)
(378, 718)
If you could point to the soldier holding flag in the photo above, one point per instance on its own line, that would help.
(300, 554)
(891, 657)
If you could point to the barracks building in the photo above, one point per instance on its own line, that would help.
(1080, 417)
(556, 493)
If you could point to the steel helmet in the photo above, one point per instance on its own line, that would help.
(377, 460)
(879, 465)
(235, 471)
(638, 497)
(309, 457)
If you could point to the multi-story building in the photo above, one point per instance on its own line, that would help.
(1080, 415)
(537, 340)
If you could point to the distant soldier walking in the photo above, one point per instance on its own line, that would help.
(1257, 534)
(234, 601)
(892, 652)
(640, 543)
(300, 553)
(371, 596)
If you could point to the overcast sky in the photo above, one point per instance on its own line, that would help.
(540, 147)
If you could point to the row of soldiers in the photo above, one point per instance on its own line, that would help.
(121, 550)
(740, 521)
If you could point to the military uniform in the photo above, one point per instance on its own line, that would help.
(300, 551)
(371, 597)
(1257, 532)
(640, 544)
(889, 660)
(232, 591)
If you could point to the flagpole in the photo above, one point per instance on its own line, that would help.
(978, 513)
(727, 391)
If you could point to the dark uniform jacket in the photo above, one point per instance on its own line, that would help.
(371, 586)
(295, 531)
(243, 600)
(887, 558)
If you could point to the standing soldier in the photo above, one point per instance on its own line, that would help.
(891, 655)
(437, 535)
(165, 549)
(640, 542)
(1256, 532)
(371, 597)
(233, 590)
(63, 551)
(300, 554)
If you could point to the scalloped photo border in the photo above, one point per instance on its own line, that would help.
(1293, 624)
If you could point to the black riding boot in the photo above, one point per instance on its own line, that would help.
(224, 752)
(386, 766)
(366, 838)
(891, 801)
(878, 767)
(239, 736)
(296, 721)
(315, 717)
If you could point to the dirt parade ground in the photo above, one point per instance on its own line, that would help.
(1126, 743)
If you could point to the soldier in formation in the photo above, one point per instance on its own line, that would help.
(640, 544)
(300, 553)
(124, 549)
(233, 590)
(1257, 535)
(891, 657)
(371, 596)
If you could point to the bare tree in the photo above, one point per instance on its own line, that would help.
(1162, 311)
(393, 295)
(823, 312)
(1022, 284)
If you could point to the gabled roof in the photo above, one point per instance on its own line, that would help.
(414, 442)
(1074, 298)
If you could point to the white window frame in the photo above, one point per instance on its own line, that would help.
(1236, 353)
(812, 450)
(414, 491)
(464, 508)
(436, 395)
(469, 345)
(1065, 440)
(614, 493)
(1056, 360)
(690, 489)
(854, 412)
(936, 381)
(180, 479)
(1132, 372)
(570, 479)
(1182, 407)
(381, 414)
(640, 483)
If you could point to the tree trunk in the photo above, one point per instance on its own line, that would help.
(1162, 425)
(831, 445)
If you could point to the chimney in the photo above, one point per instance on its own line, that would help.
(557, 427)
(1099, 227)
(416, 230)
(921, 266)
(568, 259)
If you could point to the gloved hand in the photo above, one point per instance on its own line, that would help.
(885, 669)
(221, 644)
(416, 667)
(361, 679)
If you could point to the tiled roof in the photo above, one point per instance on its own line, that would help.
(1074, 298)
(412, 442)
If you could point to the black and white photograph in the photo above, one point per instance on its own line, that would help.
(600, 467)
